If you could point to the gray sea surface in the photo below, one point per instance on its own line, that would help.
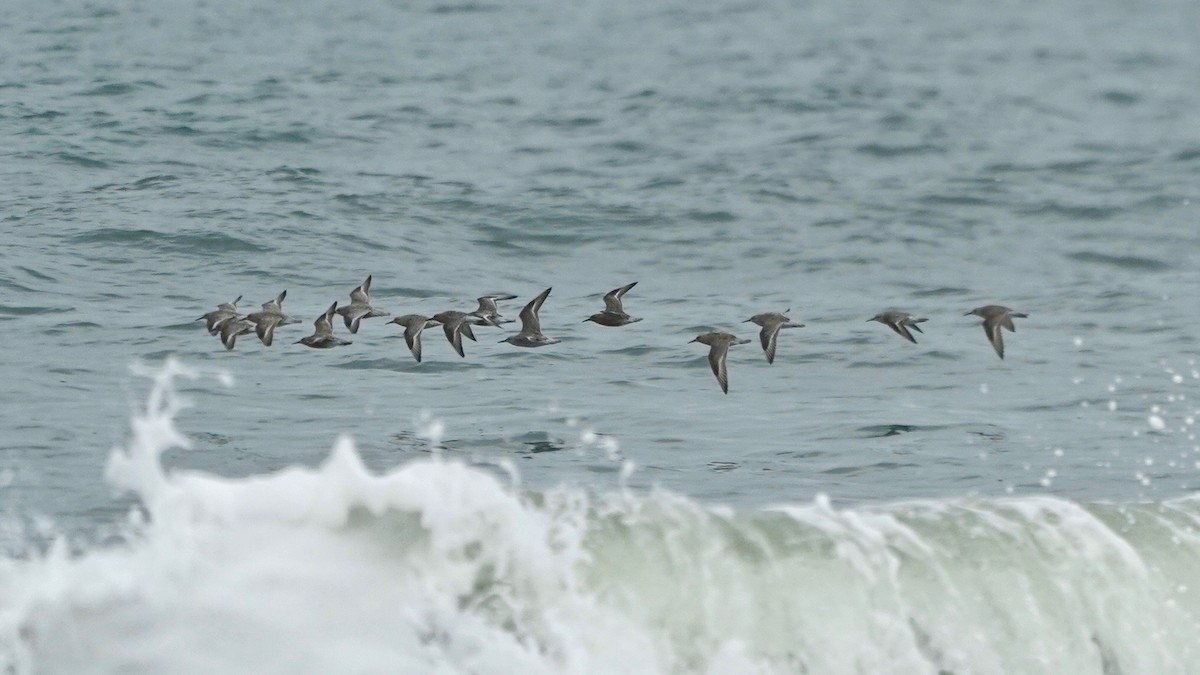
(733, 157)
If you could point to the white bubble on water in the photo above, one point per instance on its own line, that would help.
(1078, 341)
(1156, 422)
(983, 388)
(627, 469)
(611, 447)
(1112, 405)
(430, 428)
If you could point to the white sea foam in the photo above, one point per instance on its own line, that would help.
(438, 567)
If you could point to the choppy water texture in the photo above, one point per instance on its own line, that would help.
(733, 158)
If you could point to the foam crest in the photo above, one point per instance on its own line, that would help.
(329, 569)
(439, 567)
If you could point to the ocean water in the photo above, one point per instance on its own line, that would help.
(861, 505)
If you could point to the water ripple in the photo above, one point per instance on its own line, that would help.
(199, 244)
(1129, 262)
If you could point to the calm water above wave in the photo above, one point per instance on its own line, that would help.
(733, 159)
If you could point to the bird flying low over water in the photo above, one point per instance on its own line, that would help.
(413, 325)
(360, 306)
(270, 316)
(233, 328)
(224, 312)
(273, 307)
(531, 327)
(614, 313)
(995, 317)
(718, 349)
(772, 323)
(323, 337)
(488, 314)
(900, 322)
(457, 325)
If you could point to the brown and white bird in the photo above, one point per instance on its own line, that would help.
(323, 337)
(531, 327)
(996, 317)
(614, 313)
(900, 322)
(224, 312)
(718, 349)
(231, 329)
(772, 323)
(270, 316)
(488, 314)
(413, 325)
(360, 306)
(457, 325)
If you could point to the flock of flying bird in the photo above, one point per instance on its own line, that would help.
(226, 322)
